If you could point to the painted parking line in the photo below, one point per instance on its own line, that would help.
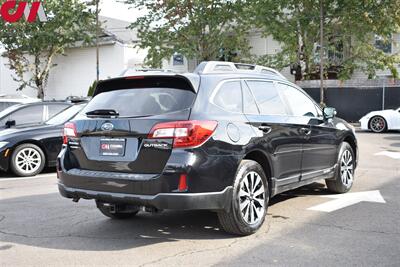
(29, 178)
(345, 200)
(390, 154)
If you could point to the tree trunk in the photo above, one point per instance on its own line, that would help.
(40, 88)
(40, 92)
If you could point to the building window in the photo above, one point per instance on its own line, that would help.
(382, 44)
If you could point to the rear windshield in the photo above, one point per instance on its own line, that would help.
(142, 102)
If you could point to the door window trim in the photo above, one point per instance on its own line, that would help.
(45, 114)
(244, 84)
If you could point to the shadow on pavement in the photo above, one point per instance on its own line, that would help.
(50, 221)
(9, 174)
(394, 138)
(308, 190)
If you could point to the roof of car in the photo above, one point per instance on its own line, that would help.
(44, 103)
(18, 105)
(211, 69)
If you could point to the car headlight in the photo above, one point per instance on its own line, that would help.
(3, 144)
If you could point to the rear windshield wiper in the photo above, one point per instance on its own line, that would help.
(103, 112)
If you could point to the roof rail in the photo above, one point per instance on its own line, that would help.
(208, 67)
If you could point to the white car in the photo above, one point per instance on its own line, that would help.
(381, 121)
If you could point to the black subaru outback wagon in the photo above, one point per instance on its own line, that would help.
(226, 138)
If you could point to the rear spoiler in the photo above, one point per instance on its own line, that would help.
(184, 82)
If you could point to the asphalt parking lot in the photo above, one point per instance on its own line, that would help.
(306, 227)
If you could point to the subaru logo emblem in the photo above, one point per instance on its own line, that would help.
(107, 126)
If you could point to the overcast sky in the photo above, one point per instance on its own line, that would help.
(113, 9)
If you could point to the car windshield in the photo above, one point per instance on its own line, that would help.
(65, 115)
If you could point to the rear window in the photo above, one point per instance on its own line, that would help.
(143, 101)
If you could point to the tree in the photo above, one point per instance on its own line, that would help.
(350, 27)
(196, 29)
(32, 47)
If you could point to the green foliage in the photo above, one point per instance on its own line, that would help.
(32, 47)
(92, 88)
(197, 29)
(349, 30)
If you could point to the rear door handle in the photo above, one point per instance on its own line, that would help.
(265, 128)
(305, 131)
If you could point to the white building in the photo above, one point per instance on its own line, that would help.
(75, 72)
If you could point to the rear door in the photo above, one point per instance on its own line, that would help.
(113, 128)
(277, 135)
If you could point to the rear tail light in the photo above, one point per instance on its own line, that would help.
(69, 131)
(184, 133)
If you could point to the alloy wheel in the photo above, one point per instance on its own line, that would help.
(28, 160)
(377, 124)
(347, 168)
(252, 198)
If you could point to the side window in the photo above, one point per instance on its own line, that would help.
(55, 109)
(229, 97)
(249, 104)
(299, 103)
(33, 114)
(267, 97)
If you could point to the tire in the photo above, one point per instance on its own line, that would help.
(344, 175)
(378, 124)
(238, 220)
(120, 212)
(27, 160)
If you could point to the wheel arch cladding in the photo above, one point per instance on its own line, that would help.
(352, 142)
(262, 159)
(33, 142)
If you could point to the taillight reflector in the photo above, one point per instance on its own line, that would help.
(185, 133)
(183, 186)
(69, 131)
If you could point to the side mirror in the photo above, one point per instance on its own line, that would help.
(10, 124)
(329, 113)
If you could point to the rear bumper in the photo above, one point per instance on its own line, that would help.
(209, 187)
(175, 201)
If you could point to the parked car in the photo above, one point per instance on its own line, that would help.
(381, 121)
(226, 138)
(11, 100)
(26, 150)
(32, 113)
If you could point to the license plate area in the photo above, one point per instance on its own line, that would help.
(112, 147)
